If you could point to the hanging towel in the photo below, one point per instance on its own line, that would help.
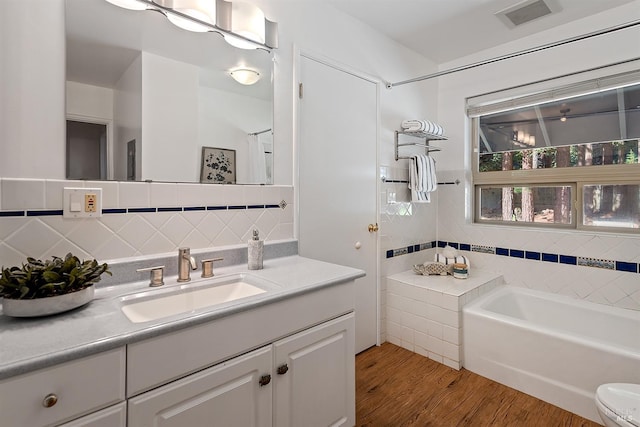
(257, 163)
(422, 177)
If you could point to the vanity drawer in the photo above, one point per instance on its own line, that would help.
(70, 389)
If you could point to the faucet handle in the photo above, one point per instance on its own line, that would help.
(156, 275)
(207, 266)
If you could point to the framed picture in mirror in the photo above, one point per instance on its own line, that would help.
(218, 166)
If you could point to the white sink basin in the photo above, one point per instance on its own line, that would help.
(218, 291)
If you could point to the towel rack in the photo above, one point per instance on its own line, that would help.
(422, 135)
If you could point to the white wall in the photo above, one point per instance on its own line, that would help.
(127, 114)
(89, 101)
(169, 119)
(32, 101)
(226, 119)
(609, 287)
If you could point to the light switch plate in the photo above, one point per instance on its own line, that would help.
(82, 202)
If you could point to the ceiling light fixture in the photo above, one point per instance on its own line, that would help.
(564, 112)
(245, 76)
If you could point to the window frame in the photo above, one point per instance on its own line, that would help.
(574, 177)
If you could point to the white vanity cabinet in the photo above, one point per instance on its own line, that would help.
(314, 382)
(306, 379)
(113, 416)
(51, 396)
(233, 393)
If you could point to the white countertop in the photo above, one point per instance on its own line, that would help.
(29, 344)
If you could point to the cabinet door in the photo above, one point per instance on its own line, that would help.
(317, 387)
(114, 416)
(228, 394)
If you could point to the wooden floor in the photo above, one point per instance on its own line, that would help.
(395, 387)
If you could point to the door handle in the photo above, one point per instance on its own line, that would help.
(373, 228)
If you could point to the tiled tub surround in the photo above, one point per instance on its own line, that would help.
(139, 218)
(424, 312)
(618, 288)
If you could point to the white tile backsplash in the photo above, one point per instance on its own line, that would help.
(23, 194)
(122, 235)
(133, 194)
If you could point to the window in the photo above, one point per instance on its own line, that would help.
(564, 158)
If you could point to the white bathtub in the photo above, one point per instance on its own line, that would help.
(553, 347)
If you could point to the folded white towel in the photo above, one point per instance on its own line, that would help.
(422, 177)
(422, 126)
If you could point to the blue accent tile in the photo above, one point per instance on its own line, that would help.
(176, 209)
(272, 206)
(410, 249)
(434, 244)
(114, 211)
(502, 251)
(454, 245)
(516, 253)
(568, 259)
(11, 213)
(441, 244)
(216, 208)
(194, 208)
(532, 255)
(465, 247)
(255, 207)
(550, 257)
(48, 212)
(631, 267)
(237, 207)
(416, 248)
(390, 253)
(141, 210)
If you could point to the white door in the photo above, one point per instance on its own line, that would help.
(337, 184)
(314, 381)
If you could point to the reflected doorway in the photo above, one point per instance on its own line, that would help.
(86, 156)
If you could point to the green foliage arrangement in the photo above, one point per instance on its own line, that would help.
(41, 279)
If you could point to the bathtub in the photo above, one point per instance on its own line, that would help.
(553, 347)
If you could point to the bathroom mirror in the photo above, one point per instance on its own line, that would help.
(165, 99)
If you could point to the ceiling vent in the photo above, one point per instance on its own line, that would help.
(527, 11)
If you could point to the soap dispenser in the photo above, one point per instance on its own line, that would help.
(256, 250)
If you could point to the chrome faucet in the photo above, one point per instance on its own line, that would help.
(186, 263)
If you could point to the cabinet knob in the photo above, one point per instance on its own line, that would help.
(283, 369)
(264, 380)
(50, 400)
(373, 228)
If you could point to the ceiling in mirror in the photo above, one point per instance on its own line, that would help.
(172, 93)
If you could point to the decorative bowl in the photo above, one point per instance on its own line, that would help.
(48, 305)
(432, 268)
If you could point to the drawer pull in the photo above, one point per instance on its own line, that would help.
(50, 400)
(283, 369)
(264, 380)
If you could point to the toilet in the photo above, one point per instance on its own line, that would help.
(619, 404)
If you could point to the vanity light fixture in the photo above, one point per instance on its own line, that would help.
(246, 20)
(245, 76)
(129, 4)
(201, 10)
(242, 24)
(564, 112)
